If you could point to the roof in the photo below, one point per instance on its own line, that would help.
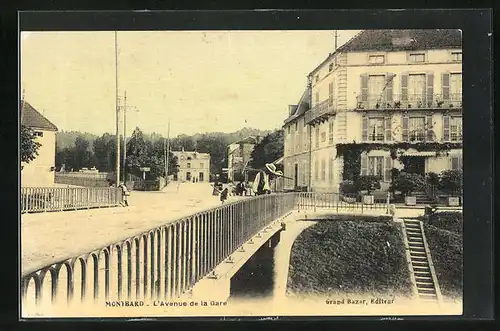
(191, 153)
(247, 140)
(302, 106)
(30, 117)
(400, 40)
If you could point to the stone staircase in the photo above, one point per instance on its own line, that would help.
(421, 262)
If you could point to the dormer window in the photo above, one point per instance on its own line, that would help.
(330, 67)
(417, 57)
(317, 78)
(456, 56)
(377, 59)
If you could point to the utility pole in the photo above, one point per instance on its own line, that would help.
(117, 116)
(124, 134)
(336, 37)
(167, 149)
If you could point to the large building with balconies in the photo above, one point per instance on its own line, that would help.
(386, 99)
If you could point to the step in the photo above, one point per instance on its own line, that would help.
(417, 245)
(425, 286)
(422, 274)
(426, 291)
(424, 280)
(418, 258)
(413, 240)
(422, 270)
(419, 264)
(417, 249)
(429, 297)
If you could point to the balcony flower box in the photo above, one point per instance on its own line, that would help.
(410, 200)
(368, 199)
(453, 201)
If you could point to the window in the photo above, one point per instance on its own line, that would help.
(417, 57)
(456, 162)
(456, 56)
(316, 171)
(330, 67)
(323, 137)
(189, 158)
(317, 137)
(376, 129)
(330, 170)
(323, 170)
(330, 132)
(376, 166)
(37, 133)
(377, 59)
(456, 128)
(456, 86)
(331, 93)
(416, 128)
(376, 85)
(304, 173)
(188, 165)
(202, 165)
(289, 129)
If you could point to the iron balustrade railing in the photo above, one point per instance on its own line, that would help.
(161, 263)
(337, 202)
(320, 110)
(41, 199)
(413, 101)
(165, 262)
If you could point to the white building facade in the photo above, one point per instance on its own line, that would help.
(393, 95)
(40, 171)
(192, 165)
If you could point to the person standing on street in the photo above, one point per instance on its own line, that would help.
(223, 195)
(125, 193)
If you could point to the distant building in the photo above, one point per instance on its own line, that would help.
(192, 165)
(239, 153)
(40, 171)
(383, 90)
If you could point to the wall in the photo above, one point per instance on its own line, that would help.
(37, 172)
(195, 168)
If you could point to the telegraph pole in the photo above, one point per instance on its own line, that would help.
(117, 116)
(167, 149)
(124, 134)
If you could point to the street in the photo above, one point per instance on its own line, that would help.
(53, 236)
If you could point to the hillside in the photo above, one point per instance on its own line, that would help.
(349, 257)
(66, 139)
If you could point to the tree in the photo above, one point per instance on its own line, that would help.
(29, 145)
(268, 150)
(216, 146)
(105, 152)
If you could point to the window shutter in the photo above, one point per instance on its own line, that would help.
(364, 164)
(364, 88)
(460, 162)
(388, 90)
(404, 86)
(388, 128)
(430, 89)
(445, 84)
(454, 163)
(387, 169)
(429, 128)
(364, 128)
(405, 127)
(446, 128)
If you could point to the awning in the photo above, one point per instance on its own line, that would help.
(409, 153)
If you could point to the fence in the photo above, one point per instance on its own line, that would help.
(335, 201)
(82, 179)
(161, 263)
(38, 199)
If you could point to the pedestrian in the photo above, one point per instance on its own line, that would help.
(262, 179)
(125, 194)
(223, 195)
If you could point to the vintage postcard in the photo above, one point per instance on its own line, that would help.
(241, 173)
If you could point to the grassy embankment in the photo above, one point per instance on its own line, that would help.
(444, 237)
(349, 257)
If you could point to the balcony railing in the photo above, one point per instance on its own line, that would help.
(320, 112)
(410, 101)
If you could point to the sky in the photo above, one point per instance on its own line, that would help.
(205, 81)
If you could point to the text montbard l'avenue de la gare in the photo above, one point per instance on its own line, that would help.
(159, 303)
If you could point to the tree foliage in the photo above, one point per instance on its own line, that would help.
(268, 150)
(29, 145)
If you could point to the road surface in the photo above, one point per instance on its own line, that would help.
(53, 236)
